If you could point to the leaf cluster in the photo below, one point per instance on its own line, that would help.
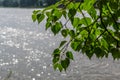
(98, 33)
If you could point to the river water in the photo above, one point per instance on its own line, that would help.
(25, 52)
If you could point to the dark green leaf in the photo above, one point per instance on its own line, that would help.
(64, 14)
(89, 54)
(60, 67)
(69, 55)
(55, 66)
(56, 51)
(71, 13)
(64, 33)
(55, 59)
(62, 43)
(40, 17)
(65, 63)
(72, 33)
(99, 52)
(115, 53)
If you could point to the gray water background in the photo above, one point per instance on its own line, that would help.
(25, 50)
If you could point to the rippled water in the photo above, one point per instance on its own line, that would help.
(25, 51)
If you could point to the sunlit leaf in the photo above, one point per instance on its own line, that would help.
(56, 28)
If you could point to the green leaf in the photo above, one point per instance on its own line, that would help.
(60, 67)
(34, 17)
(69, 55)
(71, 5)
(48, 14)
(72, 33)
(36, 11)
(55, 66)
(71, 13)
(65, 63)
(92, 12)
(99, 52)
(55, 59)
(88, 4)
(56, 28)
(58, 13)
(86, 21)
(76, 5)
(76, 46)
(92, 37)
(64, 14)
(62, 43)
(48, 24)
(76, 22)
(115, 53)
(104, 43)
(56, 51)
(84, 33)
(64, 32)
(89, 54)
(40, 17)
